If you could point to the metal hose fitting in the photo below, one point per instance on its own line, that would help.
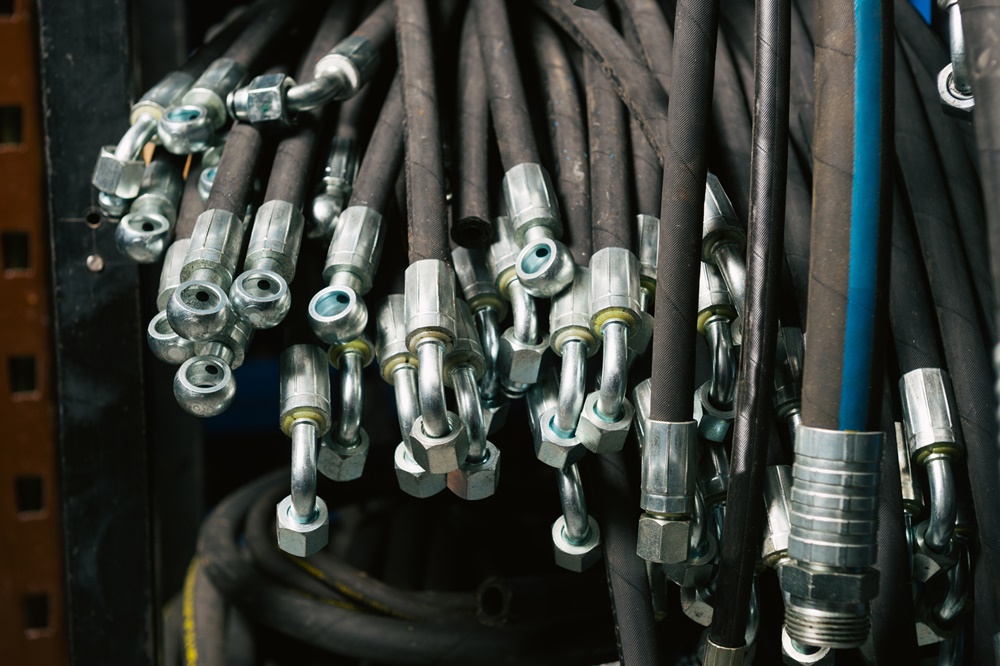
(189, 125)
(576, 537)
(788, 378)
(145, 232)
(335, 187)
(488, 308)
(669, 457)
(723, 241)
(954, 80)
(338, 75)
(572, 339)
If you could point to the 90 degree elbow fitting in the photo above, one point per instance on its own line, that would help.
(954, 80)
(338, 75)
(189, 126)
(335, 187)
(723, 242)
(263, 100)
(344, 451)
(144, 234)
(576, 536)
(260, 294)
(338, 312)
(488, 308)
(544, 264)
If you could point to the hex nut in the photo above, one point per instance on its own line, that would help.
(554, 450)
(828, 585)
(793, 657)
(121, 178)
(697, 571)
(600, 436)
(576, 557)
(302, 539)
(696, 606)
(413, 479)
(342, 463)
(520, 362)
(661, 540)
(263, 100)
(495, 414)
(440, 455)
(713, 423)
(477, 481)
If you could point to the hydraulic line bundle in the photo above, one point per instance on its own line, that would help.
(736, 286)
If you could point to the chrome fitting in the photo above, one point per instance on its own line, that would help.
(713, 296)
(477, 282)
(350, 358)
(724, 242)
(305, 389)
(554, 447)
(722, 386)
(930, 561)
(541, 397)
(439, 454)
(696, 571)
(164, 94)
(614, 289)
(335, 187)
(204, 386)
(788, 378)
(669, 468)
(777, 508)
(466, 352)
(430, 303)
(165, 344)
(647, 236)
(913, 498)
(144, 234)
(112, 207)
(170, 273)
(206, 178)
(230, 345)
(298, 538)
(795, 654)
(929, 414)
(338, 75)
(599, 434)
(544, 265)
(477, 480)
(713, 422)
(576, 536)
(119, 169)
(519, 362)
(713, 473)
(641, 401)
(501, 257)
(717, 655)
(262, 101)
(343, 463)
(954, 81)
(663, 540)
(391, 349)
(413, 479)
(569, 316)
(189, 126)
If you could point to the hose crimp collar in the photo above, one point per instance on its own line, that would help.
(614, 289)
(669, 468)
(647, 236)
(356, 247)
(430, 303)
(569, 316)
(477, 281)
(352, 63)
(305, 388)
(390, 330)
(164, 94)
(929, 414)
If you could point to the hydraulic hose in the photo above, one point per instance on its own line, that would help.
(752, 425)
(653, 39)
(508, 103)
(222, 40)
(204, 618)
(255, 42)
(191, 205)
(471, 226)
(376, 179)
(568, 137)
(425, 200)
(234, 177)
(609, 192)
(684, 173)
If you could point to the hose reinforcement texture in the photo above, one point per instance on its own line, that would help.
(191, 205)
(684, 173)
(234, 177)
(609, 191)
(752, 427)
(425, 202)
(379, 168)
(255, 42)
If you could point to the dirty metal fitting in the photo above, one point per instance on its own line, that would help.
(144, 234)
(335, 187)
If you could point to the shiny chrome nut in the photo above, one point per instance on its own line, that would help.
(599, 435)
(165, 344)
(199, 310)
(954, 101)
(828, 584)
(926, 563)
(121, 178)
(576, 557)
(495, 414)
(553, 449)
(440, 455)
(186, 129)
(260, 298)
(713, 423)
(204, 386)
(337, 314)
(477, 481)
(696, 606)
(413, 479)
(520, 362)
(697, 571)
(662, 540)
(342, 463)
(545, 267)
(263, 100)
(805, 655)
(143, 237)
(302, 539)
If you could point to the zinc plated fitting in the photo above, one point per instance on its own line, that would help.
(398, 366)
(954, 80)
(144, 234)
(488, 309)
(189, 124)
(829, 581)
(204, 384)
(521, 350)
(576, 536)
(788, 378)
(615, 316)
(478, 475)
(344, 450)
(170, 272)
(440, 441)
(260, 294)
(544, 264)
(777, 510)
(335, 187)
(647, 234)
(723, 241)
(119, 169)
(303, 524)
(338, 312)
(715, 315)
(669, 459)
(199, 308)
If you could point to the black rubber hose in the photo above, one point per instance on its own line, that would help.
(684, 173)
(254, 44)
(647, 175)
(379, 25)
(235, 173)
(755, 386)
(425, 200)
(894, 634)
(294, 155)
(911, 309)
(221, 40)
(173, 638)
(367, 636)
(471, 226)
(611, 225)
(568, 135)
(508, 103)
(373, 186)
(731, 125)
(965, 350)
(204, 622)
(191, 205)
(654, 41)
(628, 583)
